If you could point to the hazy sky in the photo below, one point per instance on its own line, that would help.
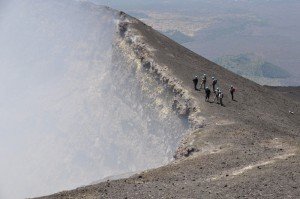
(179, 4)
(267, 28)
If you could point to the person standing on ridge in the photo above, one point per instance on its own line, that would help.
(207, 92)
(221, 95)
(214, 82)
(232, 90)
(203, 82)
(195, 80)
(217, 92)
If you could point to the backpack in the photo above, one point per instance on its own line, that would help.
(221, 95)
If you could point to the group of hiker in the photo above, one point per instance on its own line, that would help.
(218, 93)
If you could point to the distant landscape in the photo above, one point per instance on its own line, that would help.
(255, 68)
(251, 65)
(217, 29)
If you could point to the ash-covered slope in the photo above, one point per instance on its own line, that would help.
(247, 149)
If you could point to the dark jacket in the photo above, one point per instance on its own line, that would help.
(214, 82)
(195, 80)
(207, 91)
(232, 90)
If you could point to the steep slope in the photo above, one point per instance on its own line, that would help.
(247, 149)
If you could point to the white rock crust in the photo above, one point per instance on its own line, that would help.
(132, 43)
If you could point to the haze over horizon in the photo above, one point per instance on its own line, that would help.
(218, 29)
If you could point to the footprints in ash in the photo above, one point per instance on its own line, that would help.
(241, 170)
(285, 151)
(205, 142)
(224, 122)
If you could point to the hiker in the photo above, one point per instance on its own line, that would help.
(195, 80)
(221, 95)
(217, 95)
(214, 82)
(232, 90)
(207, 92)
(203, 81)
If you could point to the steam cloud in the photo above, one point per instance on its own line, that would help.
(73, 110)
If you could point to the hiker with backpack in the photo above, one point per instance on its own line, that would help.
(221, 95)
(207, 92)
(195, 81)
(217, 95)
(232, 90)
(203, 82)
(214, 82)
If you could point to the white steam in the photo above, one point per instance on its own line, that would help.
(72, 109)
